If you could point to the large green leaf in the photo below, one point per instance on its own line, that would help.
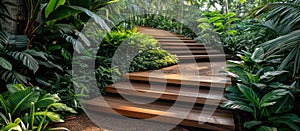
(13, 88)
(13, 76)
(65, 11)
(47, 100)
(21, 100)
(258, 55)
(4, 105)
(249, 94)
(284, 104)
(270, 75)
(52, 5)
(287, 119)
(61, 107)
(236, 105)
(61, 12)
(39, 54)
(239, 74)
(288, 43)
(94, 16)
(77, 45)
(26, 59)
(31, 116)
(233, 89)
(5, 64)
(235, 97)
(51, 115)
(272, 97)
(250, 124)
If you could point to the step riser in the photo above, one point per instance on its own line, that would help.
(170, 38)
(172, 97)
(185, 48)
(181, 44)
(194, 52)
(162, 119)
(177, 41)
(179, 82)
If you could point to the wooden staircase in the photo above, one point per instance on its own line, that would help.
(201, 92)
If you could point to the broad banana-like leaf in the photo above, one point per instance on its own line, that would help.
(51, 115)
(52, 5)
(61, 107)
(4, 105)
(21, 100)
(47, 100)
(65, 11)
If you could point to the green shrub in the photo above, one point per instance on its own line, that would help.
(30, 108)
(262, 91)
(149, 55)
(136, 52)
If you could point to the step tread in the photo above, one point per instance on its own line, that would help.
(180, 44)
(186, 48)
(165, 92)
(182, 57)
(171, 37)
(193, 51)
(177, 41)
(220, 118)
(207, 81)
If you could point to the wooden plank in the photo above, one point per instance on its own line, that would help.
(207, 81)
(170, 37)
(197, 57)
(220, 120)
(186, 94)
(177, 41)
(194, 52)
(185, 48)
(180, 44)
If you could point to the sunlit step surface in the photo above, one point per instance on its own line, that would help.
(219, 120)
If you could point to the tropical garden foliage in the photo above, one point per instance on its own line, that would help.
(261, 37)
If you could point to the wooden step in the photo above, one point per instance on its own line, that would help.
(195, 52)
(176, 41)
(164, 92)
(170, 37)
(205, 81)
(180, 44)
(186, 48)
(162, 35)
(197, 57)
(220, 120)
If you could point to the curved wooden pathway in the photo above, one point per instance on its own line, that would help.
(193, 83)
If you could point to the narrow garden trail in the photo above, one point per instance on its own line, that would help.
(188, 93)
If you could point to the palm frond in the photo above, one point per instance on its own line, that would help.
(288, 43)
(280, 14)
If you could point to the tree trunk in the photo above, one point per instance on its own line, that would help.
(18, 13)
